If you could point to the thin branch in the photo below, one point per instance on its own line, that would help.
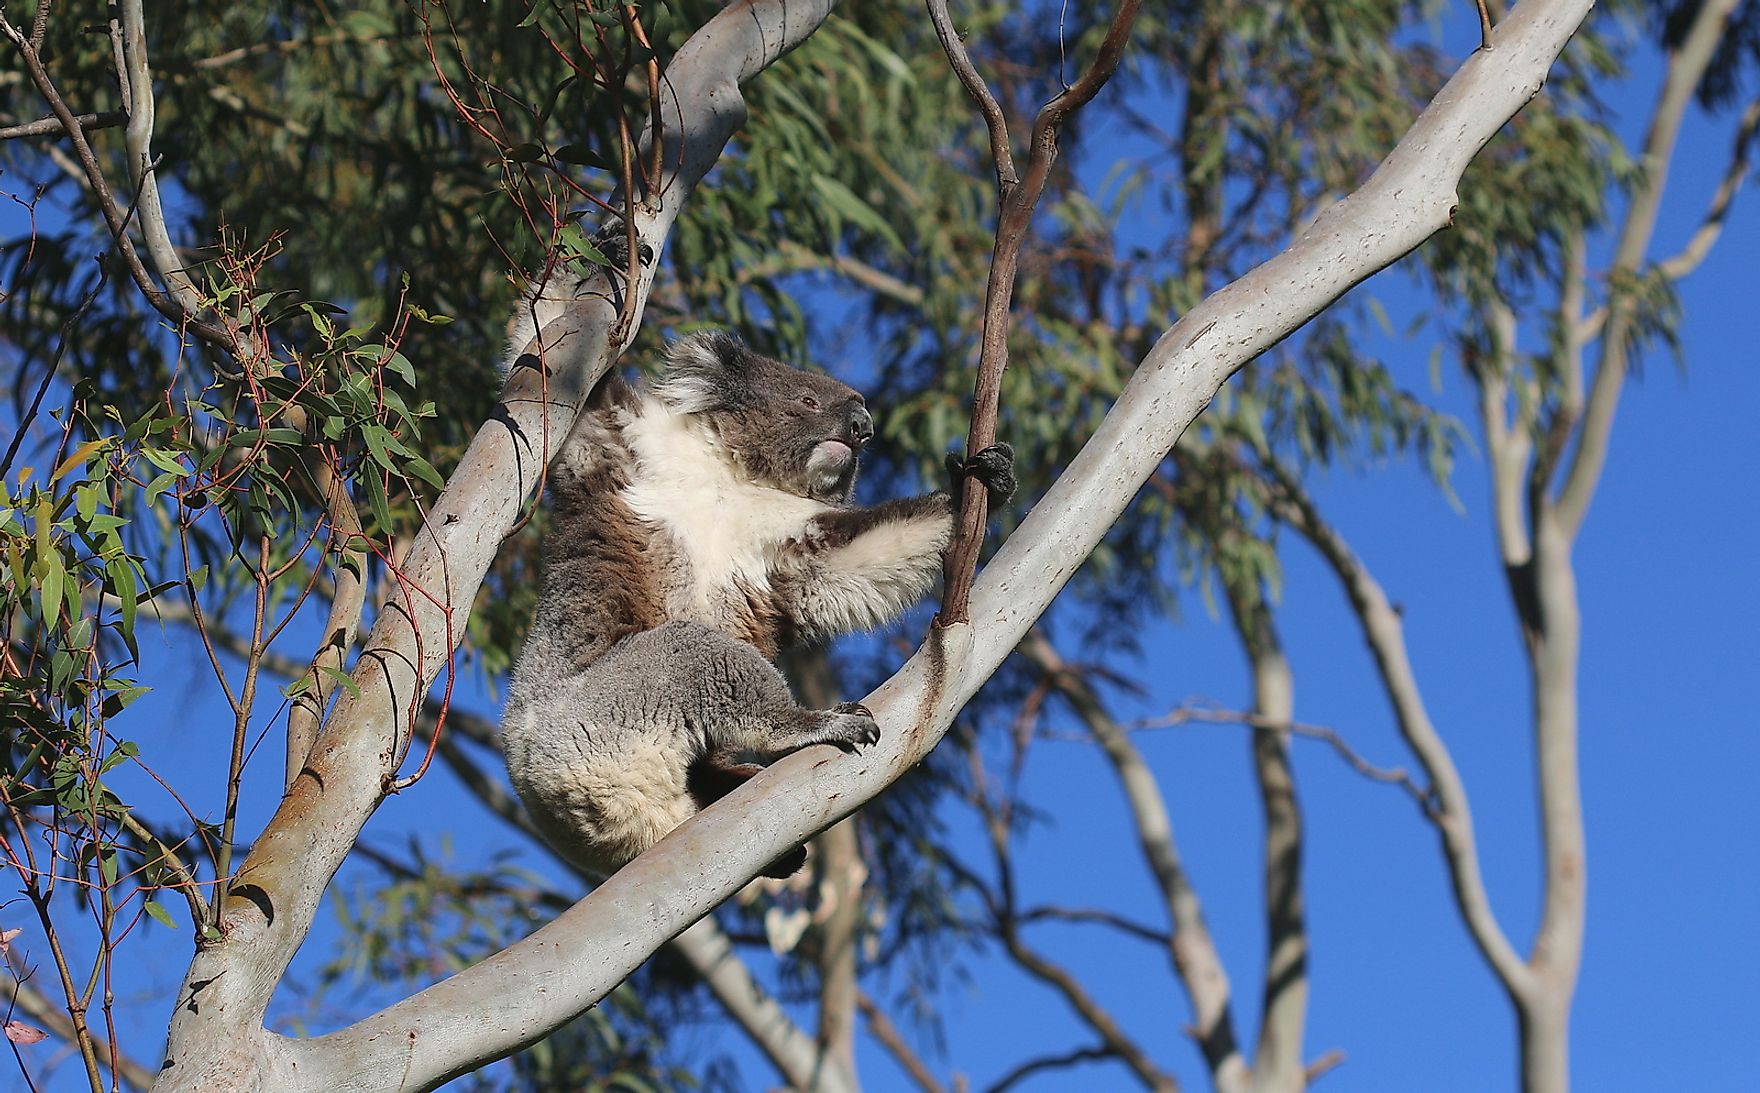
(186, 884)
(1277, 1060)
(141, 165)
(114, 215)
(1095, 915)
(1324, 1065)
(1091, 1012)
(40, 23)
(104, 119)
(347, 600)
(1508, 444)
(1196, 961)
(791, 257)
(1397, 776)
(1686, 67)
(1001, 150)
(1016, 202)
(1385, 634)
(1484, 25)
(880, 1027)
(1687, 259)
(996, 813)
(1048, 1062)
(56, 1021)
(791, 1050)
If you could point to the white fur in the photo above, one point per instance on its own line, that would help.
(688, 385)
(873, 578)
(729, 527)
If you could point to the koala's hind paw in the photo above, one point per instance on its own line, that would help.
(994, 467)
(787, 865)
(849, 726)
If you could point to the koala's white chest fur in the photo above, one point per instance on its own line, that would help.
(729, 527)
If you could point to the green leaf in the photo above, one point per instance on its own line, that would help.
(123, 752)
(53, 575)
(85, 501)
(852, 208)
(377, 499)
(424, 470)
(342, 679)
(376, 437)
(125, 589)
(121, 700)
(160, 485)
(575, 244)
(585, 156)
(160, 914)
(399, 363)
(164, 460)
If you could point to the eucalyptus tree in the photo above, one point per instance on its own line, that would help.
(232, 455)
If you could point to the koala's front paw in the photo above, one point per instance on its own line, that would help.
(849, 726)
(994, 467)
(613, 242)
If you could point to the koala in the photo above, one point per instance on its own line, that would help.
(702, 522)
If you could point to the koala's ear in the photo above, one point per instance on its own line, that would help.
(703, 371)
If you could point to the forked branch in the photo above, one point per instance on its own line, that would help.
(1016, 198)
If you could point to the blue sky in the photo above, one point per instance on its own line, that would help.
(1665, 568)
(1669, 750)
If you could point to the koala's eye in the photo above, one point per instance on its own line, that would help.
(809, 402)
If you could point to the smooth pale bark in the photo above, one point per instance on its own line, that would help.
(539, 983)
(1277, 1061)
(519, 995)
(1537, 557)
(796, 1056)
(216, 1039)
(1191, 947)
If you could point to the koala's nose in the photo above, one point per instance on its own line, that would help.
(861, 423)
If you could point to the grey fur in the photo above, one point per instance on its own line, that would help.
(701, 523)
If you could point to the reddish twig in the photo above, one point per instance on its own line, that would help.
(1016, 199)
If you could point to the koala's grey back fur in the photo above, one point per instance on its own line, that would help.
(700, 524)
(603, 760)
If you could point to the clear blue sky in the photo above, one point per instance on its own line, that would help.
(1669, 751)
(1669, 747)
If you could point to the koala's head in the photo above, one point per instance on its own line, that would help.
(793, 430)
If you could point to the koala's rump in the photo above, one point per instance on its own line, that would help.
(599, 808)
(601, 767)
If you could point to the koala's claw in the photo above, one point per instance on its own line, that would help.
(613, 242)
(994, 467)
(850, 726)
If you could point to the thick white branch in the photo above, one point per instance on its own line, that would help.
(548, 978)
